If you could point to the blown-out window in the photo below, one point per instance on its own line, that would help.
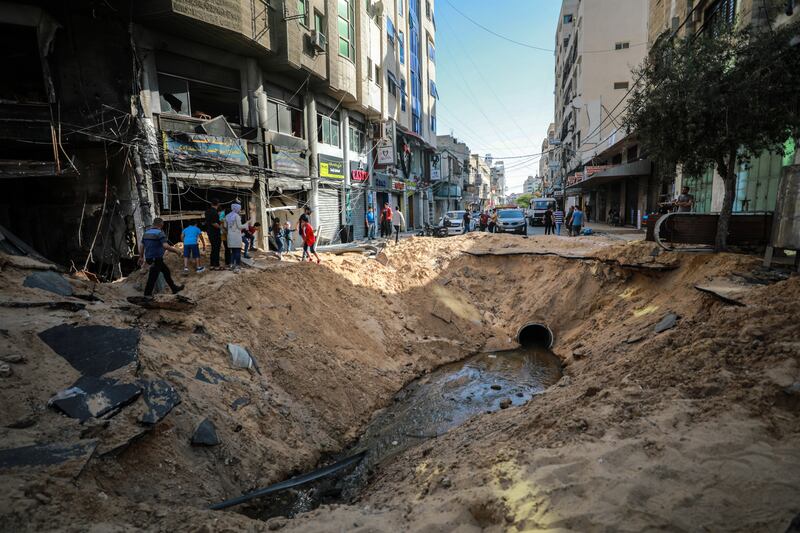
(284, 118)
(193, 98)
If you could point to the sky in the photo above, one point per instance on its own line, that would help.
(495, 95)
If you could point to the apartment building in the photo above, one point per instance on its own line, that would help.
(155, 107)
(758, 179)
(548, 164)
(529, 185)
(498, 173)
(598, 43)
(453, 182)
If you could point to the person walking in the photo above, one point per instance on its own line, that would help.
(276, 232)
(191, 236)
(577, 221)
(305, 218)
(399, 223)
(309, 240)
(465, 222)
(249, 237)
(213, 228)
(234, 227)
(484, 220)
(569, 219)
(548, 221)
(493, 221)
(386, 220)
(369, 220)
(558, 219)
(151, 251)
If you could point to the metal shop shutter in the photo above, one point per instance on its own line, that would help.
(329, 208)
(358, 203)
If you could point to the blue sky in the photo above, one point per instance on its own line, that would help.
(479, 75)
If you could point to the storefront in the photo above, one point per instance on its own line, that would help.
(617, 194)
(358, 199)
(329, 201)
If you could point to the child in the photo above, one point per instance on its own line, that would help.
(309, 240)
(276, 232)
(249, 237)
(191, 235)
(287, 236)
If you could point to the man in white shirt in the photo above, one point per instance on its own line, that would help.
(399, 222)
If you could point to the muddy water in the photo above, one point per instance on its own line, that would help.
(427, 408)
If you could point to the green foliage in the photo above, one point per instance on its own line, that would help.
(523, 200)
(718, 98)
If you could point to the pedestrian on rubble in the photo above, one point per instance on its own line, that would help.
(309, 240)
(558, 219)
(249, 237)
(305, 218)
(399, 223)
(577, 221)
(548, 221)
(386, 220)
(369, 220)
(569, 219)
(234, 226)
(192, 236)
(465, 222)
(151, 251)
(213, 229)
(276, 231)
(287, 236)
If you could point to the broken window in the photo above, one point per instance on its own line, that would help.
(24, 80)
(284, 118)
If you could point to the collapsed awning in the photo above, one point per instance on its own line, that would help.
(214, 179)
(635, 169)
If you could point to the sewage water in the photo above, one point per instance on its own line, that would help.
(426, 408)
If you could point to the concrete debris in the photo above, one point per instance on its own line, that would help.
(209, 375)
(205, 434)
(49, 281)
(240, 357)
(93, 350)
(92, 397)
(166, 302)
(13, 358)
(505, 403)
(160, 398)
(496, 387)
(238, 403)
(5, 370)
(669, 321)
(636, 337)
(73, 307)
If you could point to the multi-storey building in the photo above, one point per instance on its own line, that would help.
(452, 182)
(155, 107)
(548, 164)
(598, 43)
(498, 172)
(529, 185)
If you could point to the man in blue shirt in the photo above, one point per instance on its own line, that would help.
(192, 236)
(577, 221)
(151, 251)
(370, 220)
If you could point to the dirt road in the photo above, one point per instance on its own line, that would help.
(691, 428)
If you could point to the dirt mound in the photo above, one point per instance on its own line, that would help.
(636, 434)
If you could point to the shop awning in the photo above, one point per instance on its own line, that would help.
(627, 170)
(215, 179)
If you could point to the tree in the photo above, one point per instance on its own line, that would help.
(717, 99)
(524, 200)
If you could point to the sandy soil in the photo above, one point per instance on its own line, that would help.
(695, 428)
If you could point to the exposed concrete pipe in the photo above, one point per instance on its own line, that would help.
(535, 334)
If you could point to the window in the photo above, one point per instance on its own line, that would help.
(568, 19)
(633, 153)
(284, 118)
(433, 124)
(431, 52)
(432, 87)
(400, 8)
(403, 94)
(566, 42)
(319, 22)
(370, 70)
(622, 46)
(197, 99)
(302, 9)
(392, 83)
(428, 10)
(378, 77)
(620, 85)
(720, 16)
(357, 143)
(347, 31)
(401, 45)
(390, 29)
(328, 130)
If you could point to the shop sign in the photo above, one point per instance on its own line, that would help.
(575, 178)
(411, 185)
(189, 147)
(398, 185)
(385, 153)
(594, 169)
(436, 174)
(331, 168)
(288, 161)
(359, 175)
(381, 181)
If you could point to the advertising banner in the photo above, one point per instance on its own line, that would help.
(331, 167)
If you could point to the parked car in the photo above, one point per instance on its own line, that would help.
(453, 221)
(512, 221)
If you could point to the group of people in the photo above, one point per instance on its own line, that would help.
(483, 221)
(554, 220)
(223, 229)
(389, 219)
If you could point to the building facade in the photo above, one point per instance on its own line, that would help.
(452, 186)
(277, 105)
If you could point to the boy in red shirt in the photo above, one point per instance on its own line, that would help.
(309, 240)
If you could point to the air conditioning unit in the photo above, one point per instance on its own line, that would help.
(318, 41)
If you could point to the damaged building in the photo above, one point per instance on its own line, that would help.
(121, 111)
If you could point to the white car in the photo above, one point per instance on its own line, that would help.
(453, 221)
